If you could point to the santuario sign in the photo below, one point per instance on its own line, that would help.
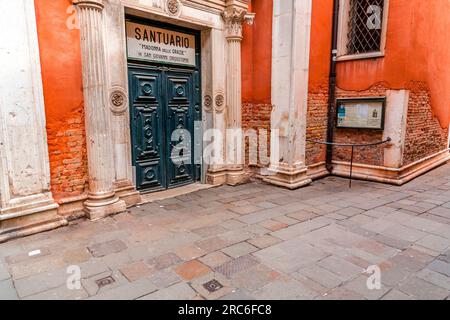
(155, 44)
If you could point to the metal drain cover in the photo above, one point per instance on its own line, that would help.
(105, 281)
(213, 286)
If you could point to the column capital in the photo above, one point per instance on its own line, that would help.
(94, 4)
(234, 17)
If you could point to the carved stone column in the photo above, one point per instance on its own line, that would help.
(234, 17)
(102, 200)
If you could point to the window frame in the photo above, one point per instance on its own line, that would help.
(344, 9)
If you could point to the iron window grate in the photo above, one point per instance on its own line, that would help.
(365, 26)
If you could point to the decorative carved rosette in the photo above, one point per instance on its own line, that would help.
(208, 103)
(173, 7)
(219, 102)
(118, 101)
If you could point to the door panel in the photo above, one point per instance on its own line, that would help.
(179, 117)
(146, 128)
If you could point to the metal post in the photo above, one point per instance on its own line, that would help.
(351, 166)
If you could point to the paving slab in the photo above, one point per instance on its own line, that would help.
(7, 290)
(4, 273)
(285, 289)
(343, 269)
(192, 269)
(239, 249)
(361, 287)
(423, 290)
(321, 275)
(396, 295)
(179, 291)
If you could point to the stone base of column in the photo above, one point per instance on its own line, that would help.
(127, 192)
(216, 177)
(98, 207)
(237, 176)
(29, 219)
(288, 177)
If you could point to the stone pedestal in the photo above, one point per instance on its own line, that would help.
(102, 199)
(26, 203)
(290, 70)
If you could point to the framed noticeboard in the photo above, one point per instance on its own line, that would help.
(363, 113)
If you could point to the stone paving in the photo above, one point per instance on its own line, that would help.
(253, 241)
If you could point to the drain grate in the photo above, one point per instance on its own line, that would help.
(105, 281)
(213, 286)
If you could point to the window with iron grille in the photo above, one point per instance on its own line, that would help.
(364, 26)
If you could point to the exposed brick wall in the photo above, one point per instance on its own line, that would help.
(257, 117)
(424, 135)
(317, 129)
(316, 124)
(68, 156)
(365, 155)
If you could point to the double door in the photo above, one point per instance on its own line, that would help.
(165, 105)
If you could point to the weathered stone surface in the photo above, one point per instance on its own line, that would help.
(191, 270)
(285, 289)
(340, 293)
(396, 295)
(164, 261)
(359, 285)
(215, 259)
(189, 252)
(179, 291)
(435, 243)
(239, 249)
(317, 255)
(165, 278)
(136, 271)
(441, 267)
(423, 290)
(4, 273)
(321, 276)
(60, 293)
(343, 269)
(273, 225)
(129, 291)
(108, 247)
(264, 241)
(7, 290)
(211, 244)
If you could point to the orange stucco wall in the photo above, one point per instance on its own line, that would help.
(63, 93)
(417, 50)
(257, 54)
(417, 58)
(319, 62)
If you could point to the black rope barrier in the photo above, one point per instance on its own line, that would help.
(353, 146)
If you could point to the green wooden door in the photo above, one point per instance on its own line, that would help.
(164, 104)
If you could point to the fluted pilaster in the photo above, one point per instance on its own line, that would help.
(102, 200)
